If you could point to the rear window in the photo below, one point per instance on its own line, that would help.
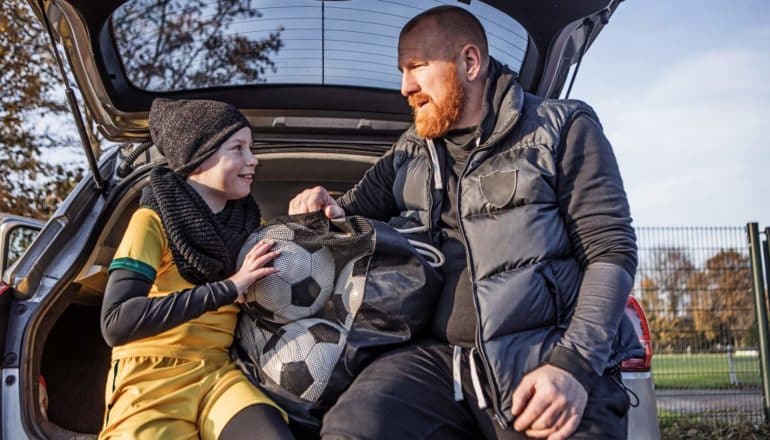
(181, 45)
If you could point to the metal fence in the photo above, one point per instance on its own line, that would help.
(695, 285)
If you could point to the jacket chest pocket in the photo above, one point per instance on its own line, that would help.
(499, 188)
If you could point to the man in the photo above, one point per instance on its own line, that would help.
(524, 198)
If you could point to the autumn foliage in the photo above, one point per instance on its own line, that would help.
(31, 185)
(699, 307)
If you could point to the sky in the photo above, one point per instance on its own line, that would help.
(681, 88)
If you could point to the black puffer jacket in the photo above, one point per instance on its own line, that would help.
(525, 259)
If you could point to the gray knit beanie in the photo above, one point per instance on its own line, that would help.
(188, 131)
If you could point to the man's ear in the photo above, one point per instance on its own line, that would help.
(471, 57)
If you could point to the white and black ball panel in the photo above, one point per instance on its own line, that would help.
(272, 293)
(294, 262)
(301, 356)
(303, 283)
(349, 293)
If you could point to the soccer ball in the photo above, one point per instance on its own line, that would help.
(301, 286)
(348, 293)
(300, 357)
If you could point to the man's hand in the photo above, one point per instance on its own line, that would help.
(315, 199)
(548, 403)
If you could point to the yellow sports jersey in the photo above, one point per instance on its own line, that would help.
(145, 250)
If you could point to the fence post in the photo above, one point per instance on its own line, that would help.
(761, 308)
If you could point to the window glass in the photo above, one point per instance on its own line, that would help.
(18, 240)
(168, 45)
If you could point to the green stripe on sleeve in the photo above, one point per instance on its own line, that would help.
(137, 266)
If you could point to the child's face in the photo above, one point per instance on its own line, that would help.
(228, 173)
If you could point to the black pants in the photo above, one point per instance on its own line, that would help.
(409, 394)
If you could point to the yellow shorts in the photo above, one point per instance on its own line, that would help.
(158, 398)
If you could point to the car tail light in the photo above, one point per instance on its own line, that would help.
(4, 288)
(636, 314)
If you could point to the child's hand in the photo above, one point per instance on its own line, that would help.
(253, 268)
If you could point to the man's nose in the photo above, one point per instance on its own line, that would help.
(408, 84)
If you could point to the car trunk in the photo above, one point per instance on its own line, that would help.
(74, 360)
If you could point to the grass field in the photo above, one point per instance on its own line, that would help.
(689, 428)
(704, 371)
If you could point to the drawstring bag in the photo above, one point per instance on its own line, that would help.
(345, 291)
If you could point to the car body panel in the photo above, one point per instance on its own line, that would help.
(10, 224)
(39, 279)
(643, 414)
(10, 407)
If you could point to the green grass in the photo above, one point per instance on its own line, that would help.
(692, 428)
(704, 371)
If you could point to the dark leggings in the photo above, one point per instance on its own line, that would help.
(256, 421)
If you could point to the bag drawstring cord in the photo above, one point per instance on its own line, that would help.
(434, 256)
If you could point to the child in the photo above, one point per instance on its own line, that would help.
(169, 309)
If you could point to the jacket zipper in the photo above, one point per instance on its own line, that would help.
(437, 178)
(553, 290)
(431, 178)
(498, 415)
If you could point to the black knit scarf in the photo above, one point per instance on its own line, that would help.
(204, 245)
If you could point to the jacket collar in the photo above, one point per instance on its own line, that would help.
(502, 103)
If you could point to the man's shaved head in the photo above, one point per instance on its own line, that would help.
(443, 59)
(457, 26)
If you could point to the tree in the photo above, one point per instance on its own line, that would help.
(650, 296)
(668, 332)
(191, 47)
(31, 186)
(673, 270)
(674, 334)
(699, 307)
(668, 295)
(705, 319)
(726, 313)
(171, 45)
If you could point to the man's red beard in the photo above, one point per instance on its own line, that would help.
(435, 118)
